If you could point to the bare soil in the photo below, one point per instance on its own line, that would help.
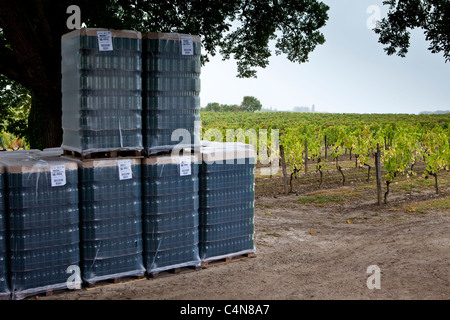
(320, 247)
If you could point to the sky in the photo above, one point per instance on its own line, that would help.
(350, 73)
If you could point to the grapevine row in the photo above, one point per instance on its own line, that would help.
(398, 141)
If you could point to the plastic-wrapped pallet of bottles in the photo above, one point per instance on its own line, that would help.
(110, 218)
(226, 201)
(171, 88)
(43, 239)
(101, 90)
(170, 211)
(4, 287)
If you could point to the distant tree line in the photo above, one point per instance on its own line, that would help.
(435, 112)
(249, 104)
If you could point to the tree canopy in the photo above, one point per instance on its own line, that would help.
(30, 40)
(432, 16)
(251, 104)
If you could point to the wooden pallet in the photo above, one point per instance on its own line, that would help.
(103, 154)
(169, 272)
(46, 293)
(112, 281)
(231, 258)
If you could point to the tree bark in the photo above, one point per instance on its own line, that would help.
(378, 173)
(34, 61)
(283, 165)
(44, 122)
(387, 191)
(306, 156)
(368, 171)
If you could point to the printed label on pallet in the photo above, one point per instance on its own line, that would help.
(187, 46)
(104, 41)
(58, 175)
(185, 166)
(125, 172)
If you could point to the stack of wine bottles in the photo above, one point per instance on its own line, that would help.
(171, 88)
(226, 201)
(43, 237)
(110, 219)
(4, 287)
(170, 210)
(101, 90)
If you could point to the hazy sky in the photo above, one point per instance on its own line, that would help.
(350, 73)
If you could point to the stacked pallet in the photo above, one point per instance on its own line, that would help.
(170, 211)
(101, 90)
(226, 201)
(110, 219)
(43, 237)
(4, 287)
(171, 83)
(102, 120)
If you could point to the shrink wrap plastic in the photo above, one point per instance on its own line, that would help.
(227, 196)
(42, 218)
(170, 207)
(101, 91)
(110, 218)
(171, 88)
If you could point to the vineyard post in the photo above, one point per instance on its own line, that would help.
(326, 147)
(306, 156)
(283, 165)
(378, 173)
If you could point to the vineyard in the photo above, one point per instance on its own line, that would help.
(387, 147)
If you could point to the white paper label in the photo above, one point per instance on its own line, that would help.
(187, 46)
(58, 175)
(104, 41)
(185, 166)
(125, 172)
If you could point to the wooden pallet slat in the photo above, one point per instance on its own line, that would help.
(176, 270)
(103, 154)
(112, 281)
(227, 259)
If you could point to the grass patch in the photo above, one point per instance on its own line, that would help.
(320, 199)
(429, 205)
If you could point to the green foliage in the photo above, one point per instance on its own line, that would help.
(409, 137)
(215, 106)
(432, 16)
(251, 104)
(398, 158)
(15, 103)
(437, 150)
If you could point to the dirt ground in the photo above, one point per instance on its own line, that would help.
(316, 244)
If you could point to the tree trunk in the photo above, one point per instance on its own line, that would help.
(319, 168)
(342, 173)
(436, 187)
(306, 156)
(44, 123)
(283, 165)
(387, 191)
(368, 171)
(34, 61)
(340, 170)
(378, 173)
(436, 183)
